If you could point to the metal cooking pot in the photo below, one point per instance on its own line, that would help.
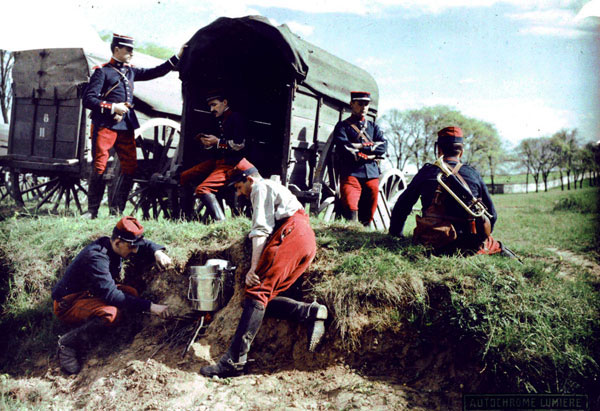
(209, 284)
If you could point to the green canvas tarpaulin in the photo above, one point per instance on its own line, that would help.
(295, 59)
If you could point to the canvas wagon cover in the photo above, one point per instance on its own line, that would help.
(309, 65)
(38, 73)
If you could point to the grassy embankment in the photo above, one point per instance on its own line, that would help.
(530, 327)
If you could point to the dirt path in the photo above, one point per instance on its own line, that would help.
(577, 259)
(151, 385)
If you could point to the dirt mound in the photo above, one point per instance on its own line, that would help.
(140, 365)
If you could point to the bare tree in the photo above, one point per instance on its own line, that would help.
(401, 133)
(6, 63)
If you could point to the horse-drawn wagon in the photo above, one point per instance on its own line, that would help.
(292, 92)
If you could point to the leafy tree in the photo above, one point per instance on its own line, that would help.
(483, 147)
(538, 158)
(587, 158)
(527, 152)
(579, 167)
(564, 145)
(151, 49)
(6, 63)
(546, 160)
(412, 135)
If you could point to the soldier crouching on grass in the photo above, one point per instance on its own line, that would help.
(87, 296)
(283, 246)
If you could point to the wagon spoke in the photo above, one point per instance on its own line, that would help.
(61, 191)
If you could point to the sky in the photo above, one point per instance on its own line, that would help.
(529, 67)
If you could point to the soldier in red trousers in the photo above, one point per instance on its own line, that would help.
(87, 297)
(109, 97)
(283, 246)
(226, 149)
(358, 143)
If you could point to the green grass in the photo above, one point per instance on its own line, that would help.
(520, 178)
(528, 327)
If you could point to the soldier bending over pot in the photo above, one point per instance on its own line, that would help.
(283, 246)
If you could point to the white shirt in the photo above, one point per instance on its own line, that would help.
(271, 202)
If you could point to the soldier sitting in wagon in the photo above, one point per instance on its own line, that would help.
(226, 150)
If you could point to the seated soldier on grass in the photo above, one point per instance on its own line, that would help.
(88, 298)
(283, 246)
(461, 232)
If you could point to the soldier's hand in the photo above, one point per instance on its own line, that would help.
(209, 140)
(120, 108)
(162, 260)
(161, 310)
(117, 117)
(252, 278)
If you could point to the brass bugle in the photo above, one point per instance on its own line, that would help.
(476, 208)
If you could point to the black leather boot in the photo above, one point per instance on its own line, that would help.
(95, 193)
(122, 194)
(212, 206)
(71, 343)
(313, 314)
(232, 363)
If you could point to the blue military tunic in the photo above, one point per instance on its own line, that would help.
(424, 185)
(95, 269)
(344, 135)
(231, 131)
(120, 76)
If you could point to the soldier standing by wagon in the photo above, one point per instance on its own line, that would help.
(226, 149)
(109, 96)
(358, 143)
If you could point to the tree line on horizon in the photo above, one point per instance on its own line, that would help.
(412, 134)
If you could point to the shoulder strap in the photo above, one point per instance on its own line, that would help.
(114, 86)
(362, 133)
(460, 178)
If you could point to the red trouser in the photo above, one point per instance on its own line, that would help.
(360, 194)
(212, 174)
(103, 139)
(286, 256)
(490, 246)
(76, 308)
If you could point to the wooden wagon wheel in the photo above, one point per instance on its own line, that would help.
(391, 185)
(154, 192)
(62, 189)
(4, 184)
